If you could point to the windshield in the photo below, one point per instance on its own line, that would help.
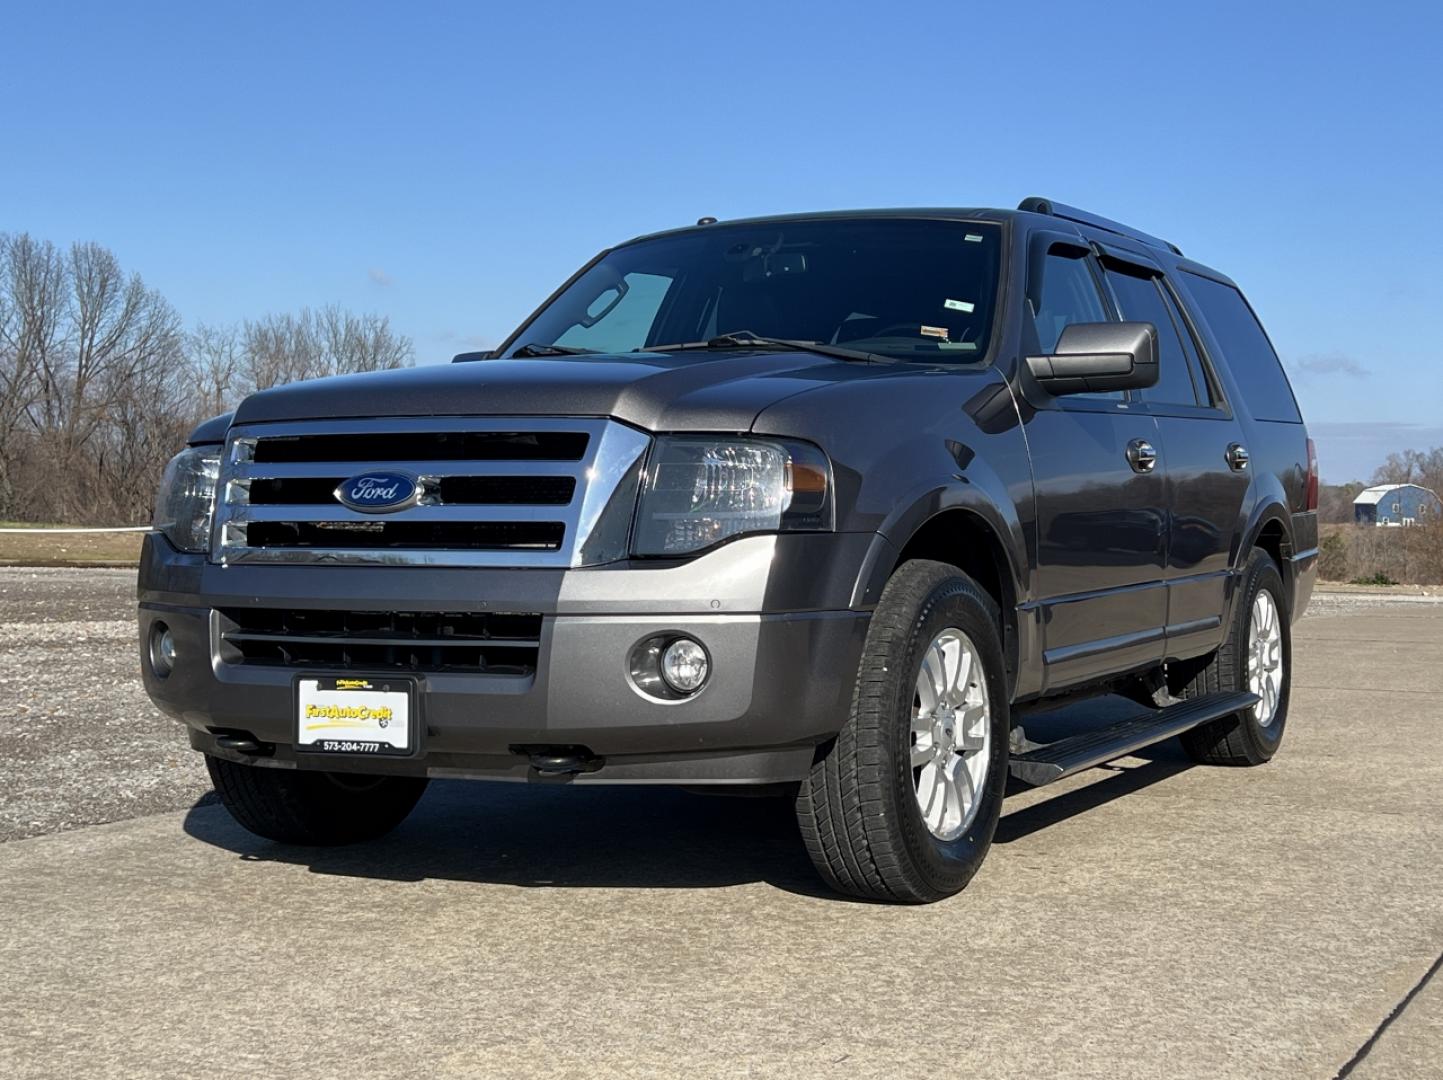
(921, 290)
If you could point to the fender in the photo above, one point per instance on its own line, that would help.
(978, 492)
(210, 431)
(1267, 508)
(978, 495)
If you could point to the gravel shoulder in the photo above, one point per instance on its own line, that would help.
(81, 743)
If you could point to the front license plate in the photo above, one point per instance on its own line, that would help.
(355, 715)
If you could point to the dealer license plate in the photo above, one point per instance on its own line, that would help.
(355, 715)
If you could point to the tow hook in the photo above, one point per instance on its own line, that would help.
(243, 742)
(560, 760)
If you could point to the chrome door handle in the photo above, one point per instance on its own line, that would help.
(1141, 455)
(1237, 456)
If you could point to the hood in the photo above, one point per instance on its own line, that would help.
(694, 391)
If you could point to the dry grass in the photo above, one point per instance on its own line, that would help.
(1367, 553)
(44, 548)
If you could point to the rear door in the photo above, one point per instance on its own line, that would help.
(1101, 521)
(1207, 466)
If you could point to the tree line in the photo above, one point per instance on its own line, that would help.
(100, 380)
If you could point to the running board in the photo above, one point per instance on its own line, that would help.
(1078, 752)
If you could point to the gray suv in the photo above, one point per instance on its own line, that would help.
(826, 505)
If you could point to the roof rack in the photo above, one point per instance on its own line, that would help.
(1037, 205)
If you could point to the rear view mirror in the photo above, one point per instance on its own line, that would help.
(1099, 357)
(778, 264)
(604, 303)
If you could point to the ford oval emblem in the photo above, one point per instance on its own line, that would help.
(379, 492)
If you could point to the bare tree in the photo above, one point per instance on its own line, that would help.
(1335, 502)
(117, 329)
(32, 338)
(218, 363)
(1424, 467)
(312, 344)
(99, 384)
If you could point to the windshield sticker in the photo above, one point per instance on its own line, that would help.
(959, 305)
(973, 238)
(935, 331)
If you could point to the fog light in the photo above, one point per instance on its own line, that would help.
(162, 649)
(684, 666)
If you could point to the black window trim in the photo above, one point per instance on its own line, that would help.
(1221, 409)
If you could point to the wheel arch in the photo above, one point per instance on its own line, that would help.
(964, 534)
(1269, 530)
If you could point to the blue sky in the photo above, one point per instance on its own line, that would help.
(449, 164)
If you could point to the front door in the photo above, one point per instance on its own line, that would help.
(1099, 470)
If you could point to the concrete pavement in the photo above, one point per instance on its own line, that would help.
(1152, 919)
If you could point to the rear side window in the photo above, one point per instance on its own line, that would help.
(1140, 300)
(1246, 350)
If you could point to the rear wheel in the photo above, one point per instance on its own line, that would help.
(903, 805)
(1256, 656)
(320, 809)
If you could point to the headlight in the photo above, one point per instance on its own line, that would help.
(186, 499)
(699, 491)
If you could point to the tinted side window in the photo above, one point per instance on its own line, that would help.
(1201, 379)
(1139, 300)
(1069, 295)
(1246, 350)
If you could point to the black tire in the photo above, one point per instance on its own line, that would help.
(858, 808)
(318, 809)
(1240, 739)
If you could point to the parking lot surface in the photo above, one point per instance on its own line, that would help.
(1148, 919)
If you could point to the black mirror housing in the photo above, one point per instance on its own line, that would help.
(468, 357)
(1099, 357)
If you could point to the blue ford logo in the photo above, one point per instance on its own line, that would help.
(379, 492)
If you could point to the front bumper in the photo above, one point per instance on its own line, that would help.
(774, 613)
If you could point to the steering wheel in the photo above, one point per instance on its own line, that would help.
(908, 330)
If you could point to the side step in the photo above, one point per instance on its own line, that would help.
(1078, 752)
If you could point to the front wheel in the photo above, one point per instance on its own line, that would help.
(320, 809)
(903, 805)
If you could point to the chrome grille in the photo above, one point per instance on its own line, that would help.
(492, 492)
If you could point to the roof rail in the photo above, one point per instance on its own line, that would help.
(1037, 205)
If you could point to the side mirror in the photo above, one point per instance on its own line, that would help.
(1099, 357)
(467, 357)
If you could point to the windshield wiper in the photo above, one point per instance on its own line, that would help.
(744, 339)
(534, 349)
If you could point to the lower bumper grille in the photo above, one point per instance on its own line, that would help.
(489, 643)
(417, 535)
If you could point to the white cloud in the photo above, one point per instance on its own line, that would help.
(1330, 364)
(379, 276)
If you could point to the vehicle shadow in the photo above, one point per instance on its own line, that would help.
(572, 836)
(559, 836)
(1163, 761)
